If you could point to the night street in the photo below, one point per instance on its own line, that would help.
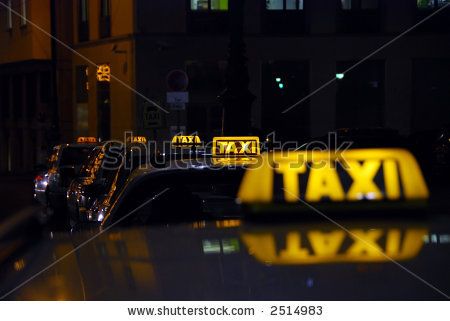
(20, 191)
(216, 159)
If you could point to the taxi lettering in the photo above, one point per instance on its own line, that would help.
(324, 182)
(84, 140)
(185, 141)
(319, 176)
(315, 246)
(235, 146)
(137, 139)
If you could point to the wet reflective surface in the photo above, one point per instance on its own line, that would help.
(240, 260)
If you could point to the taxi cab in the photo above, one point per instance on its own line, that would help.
(40, 183)
(64, 165)
(91, 181)
(101, 172)
(182, 190)
(177, 233)
(183, 147)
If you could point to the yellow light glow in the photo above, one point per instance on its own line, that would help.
(321, 247)
(228, 223)
(137, 139)
(238, 146)
(83, 140)
(19, 265)
(104, 73)
(323, 174)
(186, 141)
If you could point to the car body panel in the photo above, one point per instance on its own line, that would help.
(241, 260)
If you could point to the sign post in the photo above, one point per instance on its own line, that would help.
(152, 116)
(177, 96)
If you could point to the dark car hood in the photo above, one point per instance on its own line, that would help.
(236, 260)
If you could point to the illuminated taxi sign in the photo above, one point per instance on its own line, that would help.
(137, 139)
(239, 146)
(324, 176)
(335, 246)
(104, 73)
(186, 141)
(86, 140)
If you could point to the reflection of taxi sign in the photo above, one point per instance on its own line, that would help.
(186, 141)
(84, 140)
(335, 246)
(137, 139)
(327, 176)
(235, 146)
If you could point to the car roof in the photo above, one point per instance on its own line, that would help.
(192, 164)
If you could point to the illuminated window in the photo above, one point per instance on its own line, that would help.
(8, 15)
(105, 19)
(216, 5)
(431, 4)
(284, 4)
(83, 11)
(346, 4)
(441, 3)
(23, 11)
(83, 20)
(105, 8)
(359, 4)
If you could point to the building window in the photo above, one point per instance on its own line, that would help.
(8, 15)
(208, 17)
(81, 83)
(209, 5)
(44, 85)
(439, 23)
(346, 4)
(360, 95)
(285, 17)
(284, 4)
(359, 16)
(359, 4)
(83, 20)
(4, 97)
(23, 12)
(282, 83)
(105, 18)
(431, 4)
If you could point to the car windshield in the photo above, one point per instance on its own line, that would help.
(74, 155)
(87, 167)
(180, 196)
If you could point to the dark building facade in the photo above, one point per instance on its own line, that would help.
(29, 120)
(293, 47)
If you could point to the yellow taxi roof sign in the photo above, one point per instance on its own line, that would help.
(137, 139)
(235, 146)
(86, 140)
(328, 176)
(186, 141)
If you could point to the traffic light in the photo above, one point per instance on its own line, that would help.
(280, 84)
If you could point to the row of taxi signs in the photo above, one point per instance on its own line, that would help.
(222, 146)
(314, 176)
(93, 140)
(318, 176)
